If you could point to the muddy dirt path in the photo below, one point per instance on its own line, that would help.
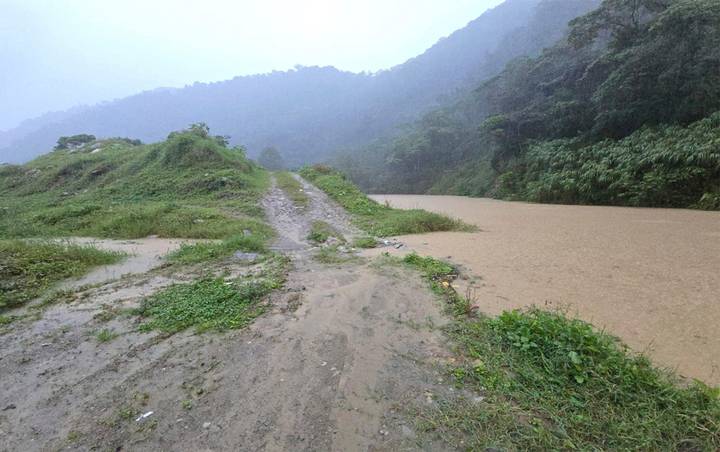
(650, 276)
(346, 349)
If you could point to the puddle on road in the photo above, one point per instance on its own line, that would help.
(142, 255)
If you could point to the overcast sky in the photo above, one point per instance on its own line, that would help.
(55, 54)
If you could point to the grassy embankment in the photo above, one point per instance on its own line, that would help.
(374, 218)
(547, 382)
(189, 186)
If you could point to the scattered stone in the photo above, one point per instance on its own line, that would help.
(206, 425)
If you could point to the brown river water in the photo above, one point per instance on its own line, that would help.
(648, 276)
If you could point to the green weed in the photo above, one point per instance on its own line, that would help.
(365, 242)
(211, 303)
(209, 251)
(105, 335)
(321, 231)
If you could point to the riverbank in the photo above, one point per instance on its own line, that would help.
(649, 276)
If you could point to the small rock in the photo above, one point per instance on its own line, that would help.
(10, 407)
(247, 232)
(206, 425)
(398, 246)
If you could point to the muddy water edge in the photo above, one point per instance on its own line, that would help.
(649, 276)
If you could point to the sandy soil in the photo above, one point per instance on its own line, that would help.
(345, 350)
(650, 276)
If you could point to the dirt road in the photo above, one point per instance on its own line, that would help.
(650, 276)
(345, 350)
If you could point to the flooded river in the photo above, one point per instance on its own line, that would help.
(649, 276)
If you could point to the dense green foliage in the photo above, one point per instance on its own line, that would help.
(212, 303)
(191, 185)
(658, 166)
(28, 269)
(547, 382)
(627, 65)
(372, 217)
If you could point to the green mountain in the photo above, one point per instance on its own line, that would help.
(646, 70)
(310, 112)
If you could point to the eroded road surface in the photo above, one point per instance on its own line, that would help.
(346, 349)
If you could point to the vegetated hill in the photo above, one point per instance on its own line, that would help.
(191, 185)
(627, 65)
(309, 112)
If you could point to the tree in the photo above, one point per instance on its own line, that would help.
(271, 159)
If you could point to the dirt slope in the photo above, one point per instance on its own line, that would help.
(345, 350)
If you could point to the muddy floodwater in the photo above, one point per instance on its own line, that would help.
(649, 276)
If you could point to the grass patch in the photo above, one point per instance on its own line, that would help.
(372, 217)
(320, 232)
(105, 335)
(28, 269)
(208, 251)
(552, 383)
(365, 242)
(211, 303)
(7, 319)
(292, 188)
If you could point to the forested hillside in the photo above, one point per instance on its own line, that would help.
(629, 65)
(310, 112)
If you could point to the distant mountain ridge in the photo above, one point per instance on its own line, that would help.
(310, 112)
